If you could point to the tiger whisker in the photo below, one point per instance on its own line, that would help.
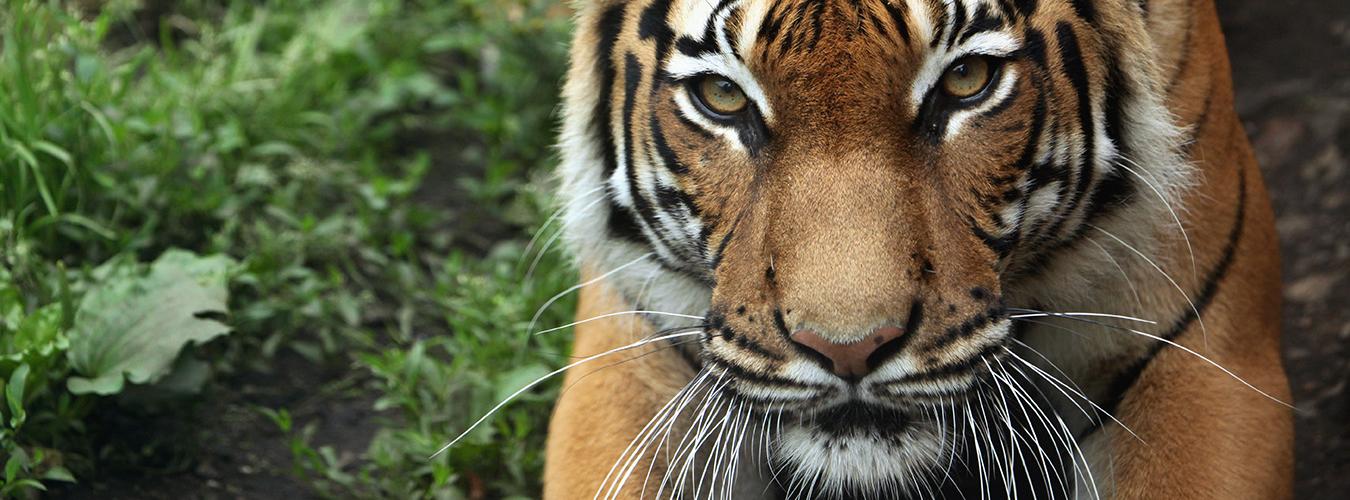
(1198, 318)
(1061, 386)
(549, 375)
(624, 457)
(547, 222)
(1195, 273)
(1023, 400)
(1077, 390)
(554, 239)
(1202, 357)
(613, 314)
(1032, 313)
(534, 319)
(665, 441)
(1128, 281)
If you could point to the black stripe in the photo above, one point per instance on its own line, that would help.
(1116, 90)
(1028, 155)
(621, 223)
(966, 328)
(710, 357)
(722, 245)
(694, 127)
(632, 77)
(912, 324)
(1127, 379)
(668, 156)
(1002, 105)
(817, 24)
(609, 27)
(754, 135)
(770, 28)
(1025, 8)
(943, 17)
(749, 344)
(652, 24)
(898, 10)
(1071, 56)
(1198, 126)
(1113, 191)
(983, 21)
(1086, 10)
(1000, 245)
(961, 367)
(959, 21)
(674, 200)
(1184, 60)
(1034, 46)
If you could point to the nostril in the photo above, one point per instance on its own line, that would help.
(854, 359)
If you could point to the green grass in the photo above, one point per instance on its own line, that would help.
(373, 167)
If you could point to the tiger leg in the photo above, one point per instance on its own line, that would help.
(1201, 432)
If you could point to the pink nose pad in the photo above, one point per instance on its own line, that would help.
(849, 361)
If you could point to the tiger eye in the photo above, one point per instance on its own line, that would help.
(966, 77)
(721, 96)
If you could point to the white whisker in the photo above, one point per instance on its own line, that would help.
(552, 374)
(1205, 359)
(1150, 262)
(579, 286)
(621, 313)
(1195, 273)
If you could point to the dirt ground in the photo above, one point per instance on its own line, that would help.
(1291, 65)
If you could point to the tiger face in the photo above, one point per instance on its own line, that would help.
(854, 193)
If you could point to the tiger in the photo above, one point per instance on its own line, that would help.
(914, 249)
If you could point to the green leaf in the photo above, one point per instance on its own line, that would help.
(17, 461)
(132, 327)
(517, 378)
(36, 336)
(14, 396)
(29, 483)
(59, 473)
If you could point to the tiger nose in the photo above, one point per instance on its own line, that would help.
(852, 360)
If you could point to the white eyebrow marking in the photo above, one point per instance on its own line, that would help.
(988, 43)
(1006, 82)
(690, 111)
(724, 62)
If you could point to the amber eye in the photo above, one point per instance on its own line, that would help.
(720, 96)
(967, 76)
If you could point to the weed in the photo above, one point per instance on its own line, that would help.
(370, 165)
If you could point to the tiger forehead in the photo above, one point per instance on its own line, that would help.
(811, 37)
(794, 25)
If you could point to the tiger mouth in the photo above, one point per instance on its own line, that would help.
(858, 417)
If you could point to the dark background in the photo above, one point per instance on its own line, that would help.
(1291, 69)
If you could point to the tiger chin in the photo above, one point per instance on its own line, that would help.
(915, 249)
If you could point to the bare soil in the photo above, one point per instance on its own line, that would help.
(1291, 68)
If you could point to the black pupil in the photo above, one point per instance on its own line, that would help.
(725, 87)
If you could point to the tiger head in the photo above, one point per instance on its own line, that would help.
(853, 193)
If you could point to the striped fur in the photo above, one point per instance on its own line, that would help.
(852, 196)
